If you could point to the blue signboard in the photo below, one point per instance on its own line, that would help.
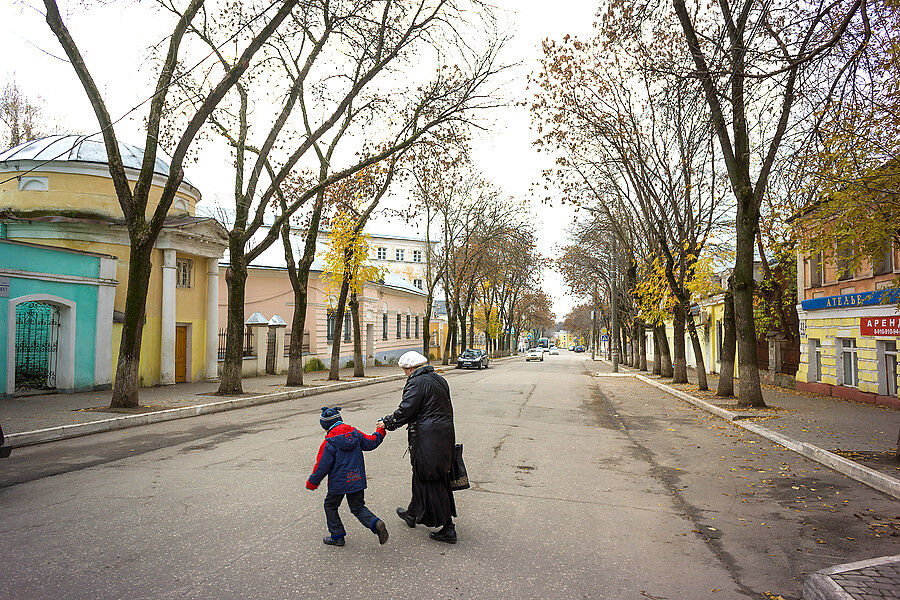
(604, 338)
(850, 300)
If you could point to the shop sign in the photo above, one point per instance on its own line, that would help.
(887, 296)
(879, 326)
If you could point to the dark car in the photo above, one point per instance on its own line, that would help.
(4, 449)
(579, 348)
(472, 359)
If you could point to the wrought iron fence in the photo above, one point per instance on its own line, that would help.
(248, 343)
(287, 343)
(36, 345)
(248, 350)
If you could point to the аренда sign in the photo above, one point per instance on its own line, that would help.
(879, 326)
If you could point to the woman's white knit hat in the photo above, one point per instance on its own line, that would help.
(412, 359)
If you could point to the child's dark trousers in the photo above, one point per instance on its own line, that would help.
(357, 503)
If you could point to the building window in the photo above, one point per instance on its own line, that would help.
(381, 253)
(815, 360)
(844, 272)
(347, 326)
(849, 362)
(890, 368)
(398, 254)
(886, 263)
(417, 327)
(398, 326)
(816, 271)
(183, 270)
(417, 283)
(407, 326)
(329, 333)
(417, 256)
(384, 326)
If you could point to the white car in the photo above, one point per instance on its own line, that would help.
(534, 354)
(554, 351)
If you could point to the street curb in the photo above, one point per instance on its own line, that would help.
(55, 434)
(870, 477)
(64, 432)
(820, 585)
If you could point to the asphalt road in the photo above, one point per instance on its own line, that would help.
(583, 487)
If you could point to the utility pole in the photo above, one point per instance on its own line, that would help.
(594, 325)
(614, 318)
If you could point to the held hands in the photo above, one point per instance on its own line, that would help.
(380, 424)
(310, 486)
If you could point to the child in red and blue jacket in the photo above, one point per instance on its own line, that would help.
(341, 459)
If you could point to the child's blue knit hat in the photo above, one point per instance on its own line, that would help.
(330, 417)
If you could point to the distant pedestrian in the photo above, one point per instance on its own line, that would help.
(428, 414)
(341, 459)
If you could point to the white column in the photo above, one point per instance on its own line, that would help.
(106, 298)
(167, 334)
(212, 319)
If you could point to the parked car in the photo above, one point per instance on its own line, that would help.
(554, 351)
(579, 348)
(472, 359)
(534, 354)
(4, 449)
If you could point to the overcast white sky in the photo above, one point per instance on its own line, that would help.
(115, 37)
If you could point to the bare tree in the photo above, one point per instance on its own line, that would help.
(337, 60)
(750, 59)
(20, 114)
(134, 199)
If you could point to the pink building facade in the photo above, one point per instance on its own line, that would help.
(392, 314)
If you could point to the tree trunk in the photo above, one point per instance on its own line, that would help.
(656, 351)
(726, 371)
(698, 353)
(125, 390)
(635, 346)
(665, 355)
(334, 374)
(749, 389)
(236, 279)
(679, 374)
(299, 279)
(472, 327)
(298, 324)
(642, 341)
(448, 341)
(359, 361)
(426, 331)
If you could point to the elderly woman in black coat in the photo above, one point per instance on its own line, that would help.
(428, 415)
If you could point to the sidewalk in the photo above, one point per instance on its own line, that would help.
(864, 433)
(31, 413)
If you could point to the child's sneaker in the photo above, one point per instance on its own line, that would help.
(334, 541)
(381, 531)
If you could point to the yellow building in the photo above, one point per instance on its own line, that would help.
(57, 191)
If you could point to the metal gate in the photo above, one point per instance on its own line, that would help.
(37, 345)
(270, 351)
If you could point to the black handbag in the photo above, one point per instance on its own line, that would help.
(459, 478)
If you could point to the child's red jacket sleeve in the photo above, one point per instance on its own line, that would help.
(324, 460)
(370, 442)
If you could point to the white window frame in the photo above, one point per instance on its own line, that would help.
(849, 352)
(814, 351)
(417, 256)
(381, 253)
(399, 254)
(184, 270)
(418, 283)
(886, 354)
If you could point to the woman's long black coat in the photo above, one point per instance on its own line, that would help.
(427, 411)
